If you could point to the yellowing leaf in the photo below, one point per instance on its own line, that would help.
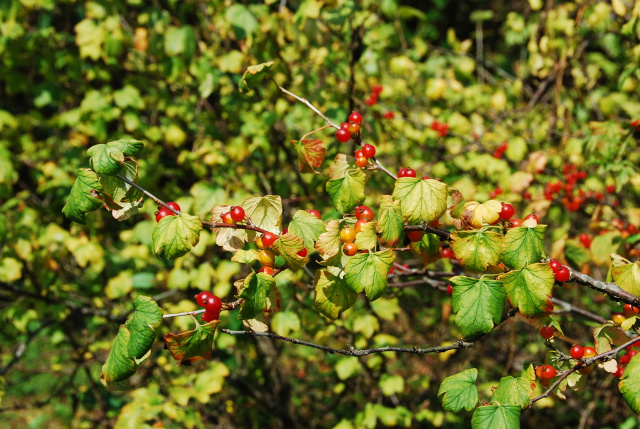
(84, 196)
(306, 226)
(288, 245)
(264, 212)
(174, 236)
(348, 192)
(192, 345)
(476, 214)
(420, 200)
(630, 384)
(367, 238)
(390, 224)
(333, 296)
(329, 242)
(368, 272)
(256, 288)
(253, 76)
(628, 277)
(476, 249)
(530, 289)
(311, 154)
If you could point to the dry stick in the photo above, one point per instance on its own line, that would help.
(583, 364)
(147, 193)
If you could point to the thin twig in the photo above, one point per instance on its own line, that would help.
(577, 310)
(311, 106)
(147, 193)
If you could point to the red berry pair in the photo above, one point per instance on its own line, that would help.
(212, 306)
(562, 273)
(406, 172)
(235, 215)
(163, 211)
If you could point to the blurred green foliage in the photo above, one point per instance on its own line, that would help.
(557, 81)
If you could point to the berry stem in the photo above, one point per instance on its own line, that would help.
(147, 193)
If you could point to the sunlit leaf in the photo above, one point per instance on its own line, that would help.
(255, 291)
(147, 315)
(175, 236)
(83, 197)
(628, 277)
(476, 249)
(496, 417)
(329, 242)
(390, 222)
(515, 391)
(479, 304)
(630, 384)
(530, 289)
(420, 200)
(523, 246)
(253, 76)
(608, 335)
(288, 246)
(459, 391)
(306, 226)
(368, 272)
(348, 192)
(367, 238)
(106, 159)
(333, 296)
(476, 214)
(192, 345)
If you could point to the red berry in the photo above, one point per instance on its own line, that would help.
(372, 100)
(268, 238)
(448, 253)
(449, 289)
(401, 172)
(344, 125)
(619, 372)
(213, 304)
(555, 265)
(202, 297)
(316, 213)
(415, 236)
(358, 226)
(563, 274)
(632, 353)
(585, 240)
(389, 115)
(358, 154)
(409, 172)
(237, 213)
(163, 212)
(343, 135)
(507, 211)
(364, 213)
(623, 360)
(376, 89)
(368, 151)
(611, 189)
(515, 222)
(526, 195)
(630, 310)
(303, 253)
(267, 270)
(548, 372)
(227, 218)
(577, 351)
(635, 123)
(355, 117)
(546, 332)
(361, 162)
(210, 316)
(174, 206)
(350, 249)
(531, 216)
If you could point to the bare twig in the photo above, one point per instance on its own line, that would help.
(147, 193)
(310, 106)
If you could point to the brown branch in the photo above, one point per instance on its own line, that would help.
(614, 291)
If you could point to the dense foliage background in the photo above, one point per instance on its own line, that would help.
(558, 81)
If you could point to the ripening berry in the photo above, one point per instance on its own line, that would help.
(227, 218)
(348, 235)
(267, 257)
(361, 162)
(585, 240)
(532, 216)
(358, 154)
(364, 213)
(618, 318)
(449, 289)
(630, 310)
(577, 351)
(267, 270)
(358, 226)
(316, 213)
(515, 222)
(350, 249)
(546, 332)
(448, 253)
(343, 135)
(415, 236)
(353, 128)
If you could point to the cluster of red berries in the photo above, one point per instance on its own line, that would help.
(372, 100)
(442, 128)
(212, 305)
(627, 311)
(163, 211)
(624, 359)
(348, 129)
(585, 239)
(364, 215)
(266, 256)
(406, 172)
(570, 200)
(234, 215)
(500, 150)
(363, 154)
(498, 191)
(626, 229)
(561, 273)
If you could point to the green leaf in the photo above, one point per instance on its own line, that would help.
(341, 166)
(174, 236)
(242, 20)
(390, 222)
(127, 146)
(253, 76)
(368, 272)
(288, 246)
(459, 391)
(265, 212)
(333, 296)
(576, 254)
(513, 391)
(83, 197)
(367, 239)
(285, 322)
(496, 417)
(254, 292)
(628, 277)
(391, 384)
(306, 226)
(147, 315)
(602, 246)
(478, 303)
(127, 96)
(329, 242)
(348, 192)
(180, 40)
(192, 345)
(105, 159)
(428, 248)
(530, 289)
(607, 335)
(420, 200)
(311, 154)
(119, 365)
(523, 246)
(476, 249)
(630, 384)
